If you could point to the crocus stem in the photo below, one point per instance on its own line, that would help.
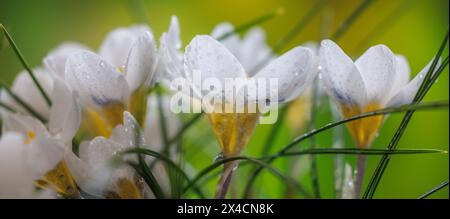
(360, 168)
(224, 182)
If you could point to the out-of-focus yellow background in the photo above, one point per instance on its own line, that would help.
(39, 26)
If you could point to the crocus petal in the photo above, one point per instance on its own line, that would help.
(340, 76)
(232, 43)
(141, 61)
(55, 61)
(44, 154)
(15, 174)
(407, 93)
(254, 51)
(80, 169)
(97, 82)
(402, 74)
(24, 87)
(170, 63)
(65, 113)
(294, 70)
(207, 56)
(378, 70)
(116, 47)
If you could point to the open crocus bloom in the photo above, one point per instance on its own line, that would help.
(378, 79)
(96, 174)
(205, 55)
(114, 81)
(251, 51)
(45, 147)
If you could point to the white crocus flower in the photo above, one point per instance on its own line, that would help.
(251, 51)
(45, 148)
(376, 80)
(294, 70)
(114, 81)
(94, 170)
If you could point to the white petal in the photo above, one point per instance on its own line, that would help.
(340, 76)
(207, 56)
(65, 113)
(96, 81)
(129, 134)
(43, 155)
(24, 87)
(141, 61)
(116, 47)
(254, 51)
(15, 174)
(232, 43)
(294, 70)
(402, 74)
(174, 32)
(80, 169)
(407, 93)
(55, 61)
(378, 70)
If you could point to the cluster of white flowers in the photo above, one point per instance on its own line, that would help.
(100, 98)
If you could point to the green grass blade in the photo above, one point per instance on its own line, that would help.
(425, 86)
(21, 102)
(250, 24)
(423, 106)
(168, 161)
(435, 189)
(356, 151)
(149, 178)
(351, 19)
(25, 65)
(262, 164)
(6, 107)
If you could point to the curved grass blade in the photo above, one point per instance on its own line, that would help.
(351, 19)
(25, 65)
(149, 179)
(357, 151)
(274, 171)
(435, 189)
(424, 88)
(252, 23)
(168, 161)
(423, 106)
(21, 102)
(6, 107)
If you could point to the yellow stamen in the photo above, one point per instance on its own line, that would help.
(233, 130)
(61, 180)
(30, 136)
(364, 130)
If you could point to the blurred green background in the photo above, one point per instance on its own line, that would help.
(416, 32)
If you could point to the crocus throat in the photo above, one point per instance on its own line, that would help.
(138, 105)
(233, 130)
(61, 180)
(101, 123)
(363, 130)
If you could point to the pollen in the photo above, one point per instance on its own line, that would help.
(121, 69)
(30, 136)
